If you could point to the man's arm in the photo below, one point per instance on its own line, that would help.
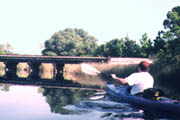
(121, 80)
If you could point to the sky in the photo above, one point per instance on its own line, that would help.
(27, 24)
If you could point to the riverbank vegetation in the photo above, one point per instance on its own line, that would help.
(167, 64)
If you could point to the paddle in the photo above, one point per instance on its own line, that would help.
(90, 70)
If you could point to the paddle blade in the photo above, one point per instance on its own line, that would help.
(89, 69)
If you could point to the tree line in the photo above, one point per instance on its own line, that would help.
(77, 42)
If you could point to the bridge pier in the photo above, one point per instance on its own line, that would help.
(59, 70)
(11, 69)
(35, 69)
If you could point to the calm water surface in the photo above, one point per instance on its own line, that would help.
(41, 103)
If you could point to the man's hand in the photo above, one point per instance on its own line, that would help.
(113, 76)
(121, 80)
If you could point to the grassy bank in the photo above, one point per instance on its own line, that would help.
(77, 75)
(166, 76)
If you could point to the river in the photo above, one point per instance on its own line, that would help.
(32, 102)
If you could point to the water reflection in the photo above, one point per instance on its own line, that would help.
(22, 102)
(47, 71)
(4, 87)
(23, 70)
(2, 69)
(42, 103)
(58, 98)
(32, 103)
(85, 79)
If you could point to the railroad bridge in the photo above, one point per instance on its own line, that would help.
(34, 62)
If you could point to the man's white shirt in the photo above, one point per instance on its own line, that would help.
(139, 82)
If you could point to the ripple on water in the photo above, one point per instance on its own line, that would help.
(104, 110)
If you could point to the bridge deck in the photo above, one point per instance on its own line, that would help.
(50, 59)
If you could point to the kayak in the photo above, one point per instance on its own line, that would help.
(161, 108)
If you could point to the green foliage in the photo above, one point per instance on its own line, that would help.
(2, 50)
(131, 48)
(167, 49)
(159, 43)
(119, 48)
(172, 23)
(4, 87)
(76, 42)
(70, 42)
(167, 44)
(114, 48)
(146, 46)
(58, 98)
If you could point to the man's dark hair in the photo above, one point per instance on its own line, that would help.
(144, 66)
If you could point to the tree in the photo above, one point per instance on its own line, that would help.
(119, 48)
(2, 51)
(115, 47)
(101, 51)
(6, 49)
(167, 49)
(159, 43)
(112, 48)
(146, 46)
(172, 23)
(130, 48)
(167, 44)
(57, 98)
(70, 42)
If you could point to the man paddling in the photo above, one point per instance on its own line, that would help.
(138, 81)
